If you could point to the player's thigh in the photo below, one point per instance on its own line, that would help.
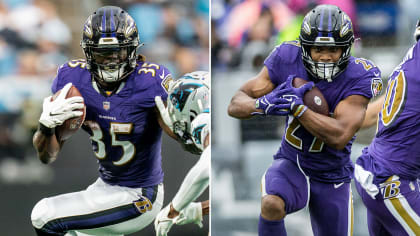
(106, 209)
(375, 226)
(375, 210)
(284, 179)
(331, 208)
(398, 206)
(147, 205)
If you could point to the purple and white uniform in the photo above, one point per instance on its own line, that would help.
(386, 174)
(304, 170)
(126, 140)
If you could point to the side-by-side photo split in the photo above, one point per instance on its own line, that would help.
(209, 117)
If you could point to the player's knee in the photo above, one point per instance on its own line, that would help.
(273, 207)
(39, 214)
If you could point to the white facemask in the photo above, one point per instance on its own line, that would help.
(110, 76)
(325, 71)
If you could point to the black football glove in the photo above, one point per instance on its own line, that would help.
(188, 144)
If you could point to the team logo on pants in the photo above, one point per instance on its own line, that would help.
(143, 204)
(390, 189)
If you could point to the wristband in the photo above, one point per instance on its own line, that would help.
(299, 111)
(263, 104)
(45, 130)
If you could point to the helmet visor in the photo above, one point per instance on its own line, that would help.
(109, 57)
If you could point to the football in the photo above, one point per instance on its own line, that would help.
(70, 126)
(313, 99)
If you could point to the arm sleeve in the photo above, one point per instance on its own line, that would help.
(152, 80)
(61, 79)
(195, 182)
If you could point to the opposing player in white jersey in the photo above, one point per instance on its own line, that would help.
(188, 113)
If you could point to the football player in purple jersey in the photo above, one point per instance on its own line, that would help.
(312, 166)
(119, 89)
(375, 107)
(386, 174)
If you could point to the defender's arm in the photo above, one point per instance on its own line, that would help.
(336, 132)
(243, 102)
(195, 182)
(193, 213)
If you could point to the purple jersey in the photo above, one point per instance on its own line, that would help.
(318, 160)
(396, 147)
(123, 127)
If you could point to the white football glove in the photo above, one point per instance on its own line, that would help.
(54, 113)
(162, 223)
(164, 113)
(192, 213)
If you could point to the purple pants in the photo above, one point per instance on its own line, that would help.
(395, 209)
(330, 204)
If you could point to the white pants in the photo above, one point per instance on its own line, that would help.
(101, 209)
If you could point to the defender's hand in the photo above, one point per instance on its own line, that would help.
(54, 113)
(192, 213)
(164, 113)
(162, 223)
(189, 146)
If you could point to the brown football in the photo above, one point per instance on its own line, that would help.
(313, 99)
(70, 126)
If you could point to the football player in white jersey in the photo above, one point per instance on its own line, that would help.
(188, 115)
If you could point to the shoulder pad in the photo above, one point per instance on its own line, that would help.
(289, 51)
(370, 74)
(369, 68)
(73, 64)
(156, 72)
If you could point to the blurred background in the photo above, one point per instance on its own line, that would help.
(36, 36)
(243, 33)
